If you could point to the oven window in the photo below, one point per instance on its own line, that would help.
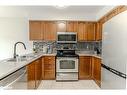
(67, 64)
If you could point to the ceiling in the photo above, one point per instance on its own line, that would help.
(54, 12)
(66, 9)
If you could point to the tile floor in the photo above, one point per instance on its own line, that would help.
(81, 84)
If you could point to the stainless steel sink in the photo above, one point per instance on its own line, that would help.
(15, 60)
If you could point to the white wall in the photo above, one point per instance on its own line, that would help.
(13, 30)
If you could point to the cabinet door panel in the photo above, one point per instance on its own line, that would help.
(61, 26)
(72, 26)
(98, 31)
(49, 67)
(50, 31)
(90, 31)
(97, 71)
(35, 30)
(31, 83)
(82, 31)
(49, 75)
(85, 67)
(38, 72)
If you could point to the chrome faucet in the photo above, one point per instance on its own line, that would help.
(15, 48)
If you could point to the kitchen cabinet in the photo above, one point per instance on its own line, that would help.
(85, 67)
(42, 61)
(50, 31)
(42, 30)
(61, 26)
(72, 26)
(47, 30)
(98, 31)
(35, 32)
(90, 31)
(49, 67)
(31, 76)
(96, 70)
(38, 71)
(67, 26)
(82, 31)
(86, 31)
(34, 74)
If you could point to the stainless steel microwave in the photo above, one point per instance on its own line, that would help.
(66, 37)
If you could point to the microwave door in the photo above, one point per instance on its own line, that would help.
(67, 38)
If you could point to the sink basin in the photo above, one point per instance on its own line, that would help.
(14, 60)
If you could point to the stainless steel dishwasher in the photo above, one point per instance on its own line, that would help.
(16, 80)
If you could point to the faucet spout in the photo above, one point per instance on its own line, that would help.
(15, 48)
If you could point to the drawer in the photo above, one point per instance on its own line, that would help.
(49, 60)
(49, 67)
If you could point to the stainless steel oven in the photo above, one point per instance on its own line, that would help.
(67, 64)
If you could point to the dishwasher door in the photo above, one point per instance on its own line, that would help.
(17, 80)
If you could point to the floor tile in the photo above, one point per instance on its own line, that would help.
(81, 84)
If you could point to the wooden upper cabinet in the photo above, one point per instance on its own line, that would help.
(85, 67)
(50, 31)
(35, 30)
(72, 26)
(98, 31)
(61, 26)
(47, 30)
(91, 31)
(82, 31)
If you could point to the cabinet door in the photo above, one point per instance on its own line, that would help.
(50, 31)
(72, 26)
(31, 80)
(97, 71)
(82, 31)
(85, 67)
(35, 30)
(98, 31)
(91, 32)
(49, 67)
(61, 26)
(42, 60)
(38, 72)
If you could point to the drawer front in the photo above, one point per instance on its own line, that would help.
(49, 67)
(49, 60)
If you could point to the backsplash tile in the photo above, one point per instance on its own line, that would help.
(79, 46)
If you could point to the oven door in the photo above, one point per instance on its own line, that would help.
(67, 64)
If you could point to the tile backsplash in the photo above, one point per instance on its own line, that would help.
(79, 46)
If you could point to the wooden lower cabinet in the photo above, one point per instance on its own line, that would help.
(34, 74)
(90, 68)
(96, 70)
(49, 67)
(85, 67)
(31, 81)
